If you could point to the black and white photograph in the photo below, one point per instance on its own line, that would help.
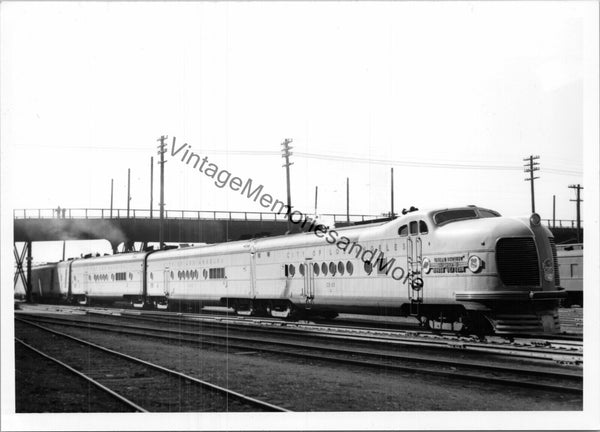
(299, 215)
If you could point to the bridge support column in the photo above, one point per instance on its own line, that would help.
(28, 283)
(114, 247)
(20, 273)
(129, 246)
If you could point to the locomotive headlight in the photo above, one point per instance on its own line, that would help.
(426, 265)
(548, 270)
(535, 219)
(475, 263)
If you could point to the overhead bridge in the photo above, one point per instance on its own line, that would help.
(134, 225)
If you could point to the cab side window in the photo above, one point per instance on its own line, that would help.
(413, 228)
(403, 231)
(423, 227)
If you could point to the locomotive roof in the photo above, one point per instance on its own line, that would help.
(106, 259)
(356, 233)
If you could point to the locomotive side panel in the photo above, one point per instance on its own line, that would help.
(108, 278)
(202, 275)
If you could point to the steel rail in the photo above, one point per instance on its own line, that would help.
(254, 325)
(389, 338)
(243, 398)
(363, 363)
(406, 337)
(102, 387)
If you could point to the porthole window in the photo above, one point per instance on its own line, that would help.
(316, 269)
(341, 268)
(332, 268)
(324, 269)
(204, 273)
(368, 267)
(301, 268)
(292, 270)
(349, 267)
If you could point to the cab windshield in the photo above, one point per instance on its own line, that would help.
(447, 216)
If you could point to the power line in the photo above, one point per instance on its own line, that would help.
(363, 160)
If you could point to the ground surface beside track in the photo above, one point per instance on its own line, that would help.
(302, 385)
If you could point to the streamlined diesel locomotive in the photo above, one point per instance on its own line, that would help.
(461, 269)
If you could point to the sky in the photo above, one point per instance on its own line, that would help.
(87, 88)
(453, 96)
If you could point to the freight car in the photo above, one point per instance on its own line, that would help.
(464, 268)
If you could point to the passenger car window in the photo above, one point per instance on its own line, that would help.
(332, 268)
(413, 227)
(423, 227)
(403, 231)
(349, 267)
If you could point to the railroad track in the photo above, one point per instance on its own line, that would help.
(564, 350)
(141, 385)
(481, 371)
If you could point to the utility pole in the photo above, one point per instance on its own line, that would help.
(578, 200)
(553, 211)
(162, 149)
(393, 216)
(348, 200)
(151, 183)
(128, 190)
(286, 154)
(316, 197)
(111, 196)
(530, 168)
